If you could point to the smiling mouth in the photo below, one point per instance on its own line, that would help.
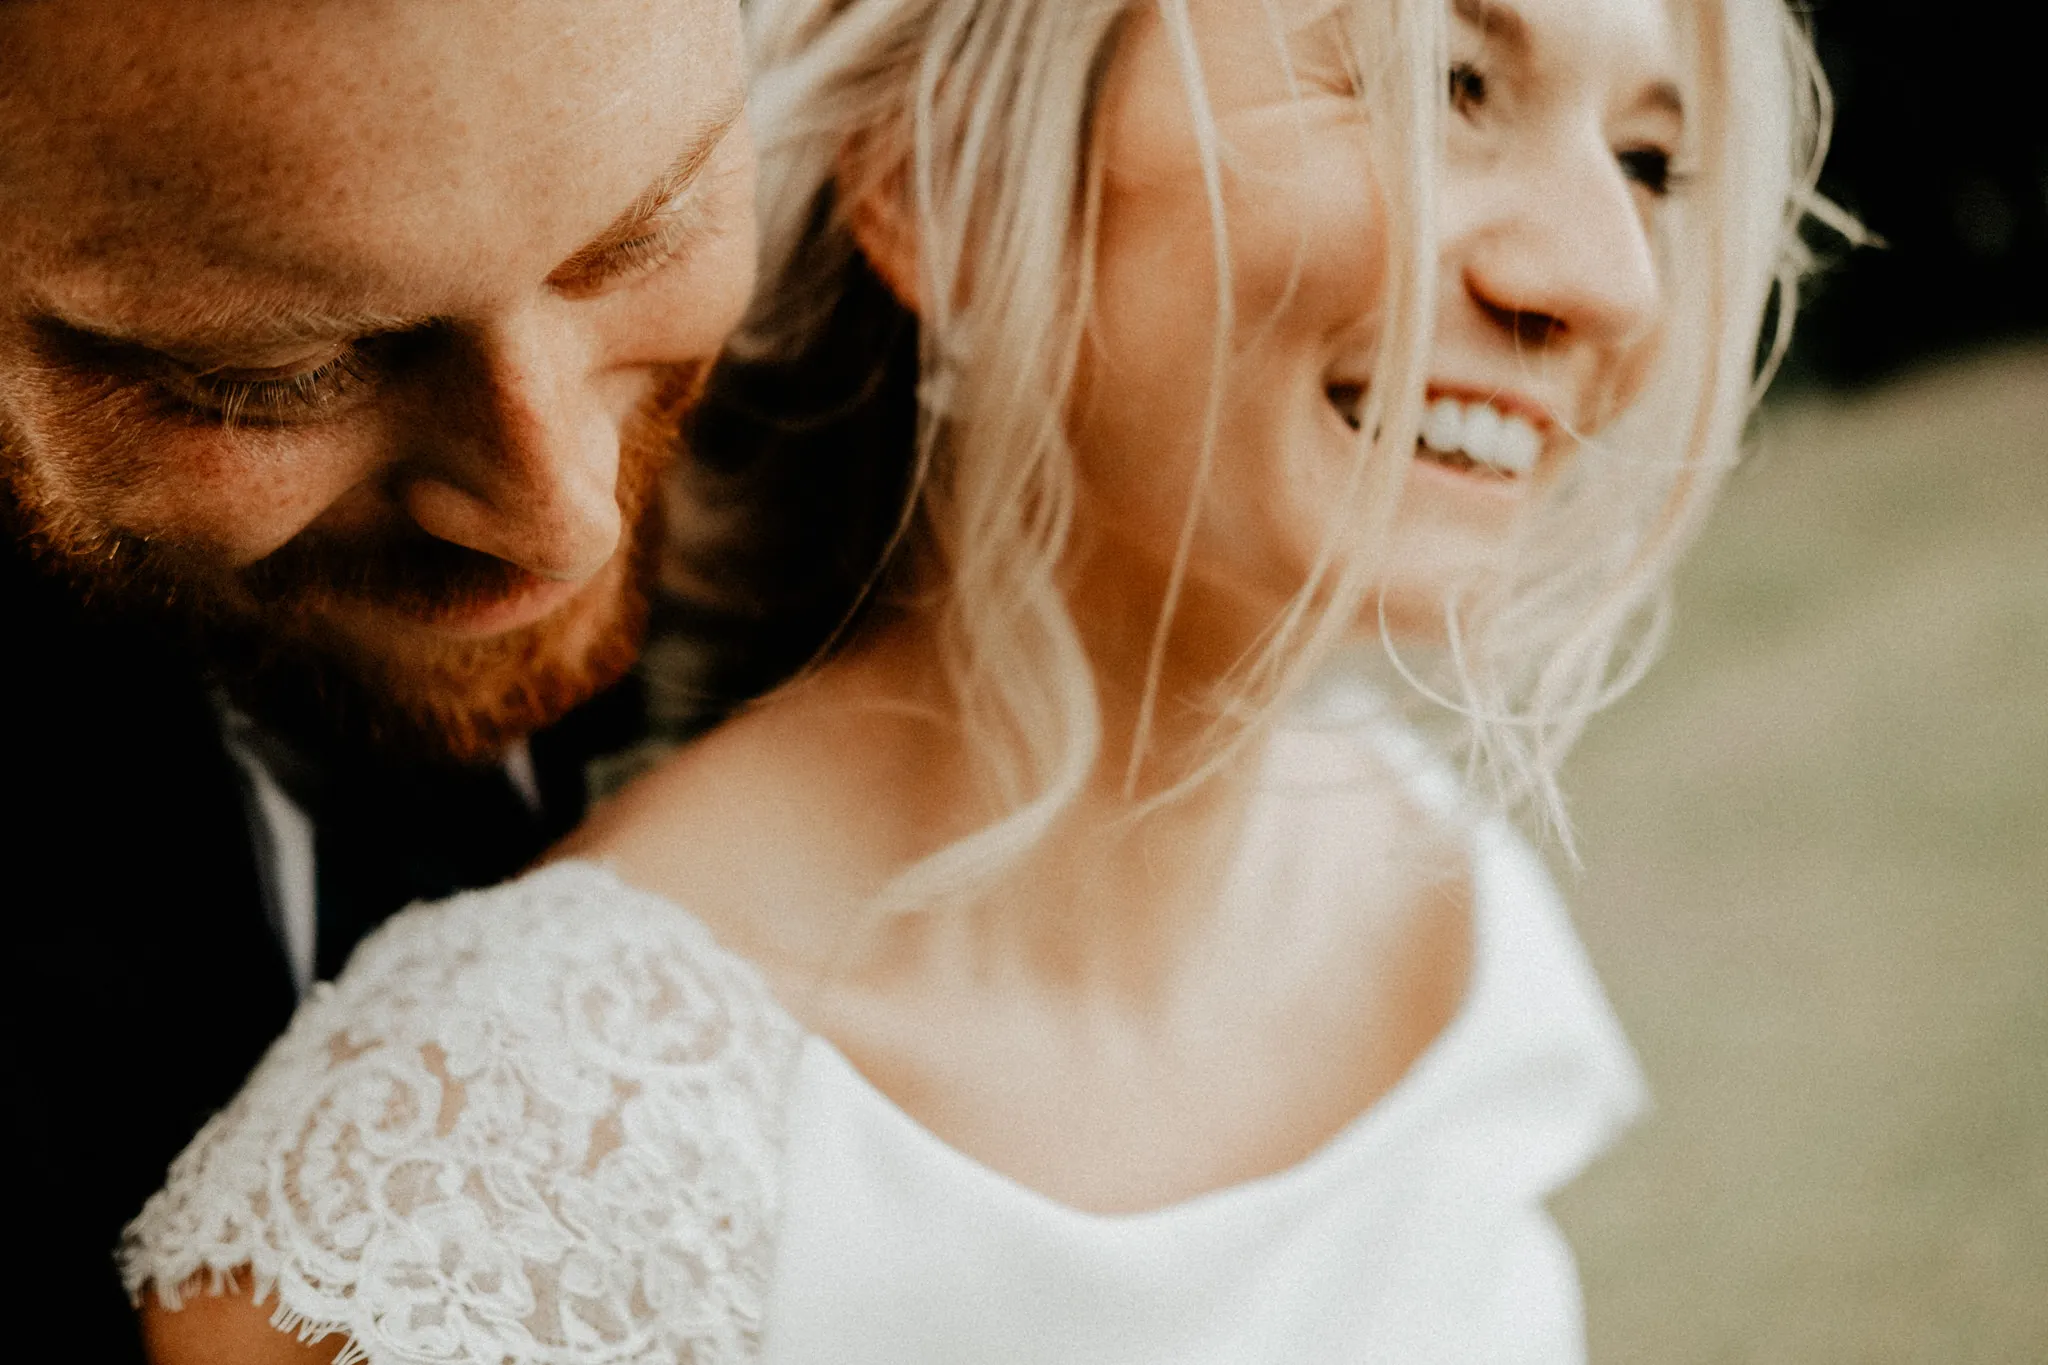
(1474, 437)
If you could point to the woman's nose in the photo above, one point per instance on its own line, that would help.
(1561, 253)
(517, 452)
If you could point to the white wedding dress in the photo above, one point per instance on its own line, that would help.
(556, 1123)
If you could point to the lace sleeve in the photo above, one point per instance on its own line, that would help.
(538, 1123)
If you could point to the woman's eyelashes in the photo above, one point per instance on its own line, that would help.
(1466, 88)
(1649, 167)
(1646, 164)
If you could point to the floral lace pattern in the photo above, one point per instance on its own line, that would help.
(540, 1123)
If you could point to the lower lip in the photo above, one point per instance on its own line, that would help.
(1436, 493)
(1471, 476)
(524, 606)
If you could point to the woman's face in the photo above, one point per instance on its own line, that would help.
(1563, 123)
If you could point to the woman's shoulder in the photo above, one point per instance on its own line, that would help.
(535, 939)
(541, 1121)
(779, 826)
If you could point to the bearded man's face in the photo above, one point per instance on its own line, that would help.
(350, 340)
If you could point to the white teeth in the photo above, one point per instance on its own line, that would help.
(1483, 434)
(1444, 426)
(1519, 446)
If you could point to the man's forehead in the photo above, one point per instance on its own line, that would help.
(402, 152)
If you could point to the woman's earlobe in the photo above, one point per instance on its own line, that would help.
(882, 222)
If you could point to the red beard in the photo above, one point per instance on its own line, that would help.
(266, 632)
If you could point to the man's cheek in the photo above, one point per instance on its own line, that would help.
(227, 498)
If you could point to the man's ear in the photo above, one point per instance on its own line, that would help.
(880, 217)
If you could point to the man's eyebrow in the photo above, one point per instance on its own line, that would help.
(220, 333)
(591, 258)
(271, 324)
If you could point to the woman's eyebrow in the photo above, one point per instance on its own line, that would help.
(592, 259)
(1497, 22)
(1663, 97)
(1502, 24)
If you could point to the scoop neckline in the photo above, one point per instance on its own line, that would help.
(1337, 706)
(1358, 1135)
(1410, 1093)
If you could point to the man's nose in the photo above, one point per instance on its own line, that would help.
(1564, 254)
(517, 455)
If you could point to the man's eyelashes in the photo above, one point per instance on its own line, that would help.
(277, 397)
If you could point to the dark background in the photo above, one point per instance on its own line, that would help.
(1941, 148)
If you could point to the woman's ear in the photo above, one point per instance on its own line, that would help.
(880, 216)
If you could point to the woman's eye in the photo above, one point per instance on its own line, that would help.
(1649, 167)
(280, 397)
(1467, 87)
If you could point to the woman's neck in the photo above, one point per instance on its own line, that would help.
(1145, 1005)
(1128, 884)
(1154, 1002)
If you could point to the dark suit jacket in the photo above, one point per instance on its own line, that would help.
(143, 979)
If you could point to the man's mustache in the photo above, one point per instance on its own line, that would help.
(410, 571)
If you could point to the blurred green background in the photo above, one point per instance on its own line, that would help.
(1815, 848)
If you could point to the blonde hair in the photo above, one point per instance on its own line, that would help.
(977, 115)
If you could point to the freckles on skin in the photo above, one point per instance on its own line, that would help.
(235, 499)
(691, 306)
(467, 152)
(214, 188)
(224, 498)
(389, 161)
